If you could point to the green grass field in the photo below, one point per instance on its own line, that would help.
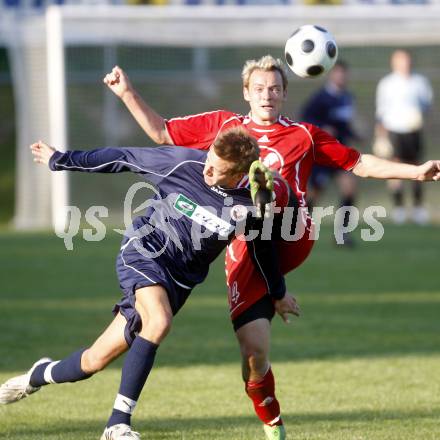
(363, 361)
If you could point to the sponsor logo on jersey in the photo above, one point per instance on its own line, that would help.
(264, 139)
(202, 216)
(215, 189)
(185, 205)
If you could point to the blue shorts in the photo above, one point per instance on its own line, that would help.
(321, 176)
(136, 270)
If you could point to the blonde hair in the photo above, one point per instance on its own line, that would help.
(237, 146)
(268, 64)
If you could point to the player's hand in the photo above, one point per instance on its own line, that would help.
(118, 82)
(42, 152)
(429, 171)
(261, 184)
(287, 305)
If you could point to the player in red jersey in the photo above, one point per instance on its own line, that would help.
(290, 148)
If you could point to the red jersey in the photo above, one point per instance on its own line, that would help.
(286, 146)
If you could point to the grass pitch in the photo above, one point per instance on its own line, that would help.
(363, 361)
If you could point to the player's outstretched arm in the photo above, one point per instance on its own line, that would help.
(375, 167)
(151, 161)
(150, 121)
(42, 152)
(101, 160)
(287, 305)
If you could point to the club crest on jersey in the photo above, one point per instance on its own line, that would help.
(273, 161)
(238, 213)
(202, 216)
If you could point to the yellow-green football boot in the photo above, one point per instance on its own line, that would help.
(276, 432)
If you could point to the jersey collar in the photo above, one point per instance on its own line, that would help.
(243, 183)
(248, 120)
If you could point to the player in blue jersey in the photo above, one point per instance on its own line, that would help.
(332, 108)
(163, 256)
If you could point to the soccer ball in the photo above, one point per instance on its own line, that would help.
(310, 51)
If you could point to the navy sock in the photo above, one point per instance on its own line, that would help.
(418, 193)
(137, 366)
(398, 198)
(66, 370)
(347, 201)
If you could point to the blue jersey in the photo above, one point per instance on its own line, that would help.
(187, 223)
(334, 109)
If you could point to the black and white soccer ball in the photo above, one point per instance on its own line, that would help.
(311, 51)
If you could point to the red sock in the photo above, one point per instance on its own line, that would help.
(262, 394)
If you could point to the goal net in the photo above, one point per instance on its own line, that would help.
(182, 60)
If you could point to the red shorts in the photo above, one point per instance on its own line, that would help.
(245, 283)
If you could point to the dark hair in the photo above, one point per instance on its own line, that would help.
(236, 145)
(342, 64)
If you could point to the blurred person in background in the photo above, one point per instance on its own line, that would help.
(402, 100)
(332, 108)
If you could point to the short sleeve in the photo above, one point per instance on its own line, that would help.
(330, 152)
(197, 131)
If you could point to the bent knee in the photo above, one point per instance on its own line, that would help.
(253, 353)
(256, 360)
(92, 362)
(157, 327)
(162, 324)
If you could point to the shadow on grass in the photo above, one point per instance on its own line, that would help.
(202, 334)
(380, 300)
(184, 427)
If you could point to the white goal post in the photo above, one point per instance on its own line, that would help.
(39, 77)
